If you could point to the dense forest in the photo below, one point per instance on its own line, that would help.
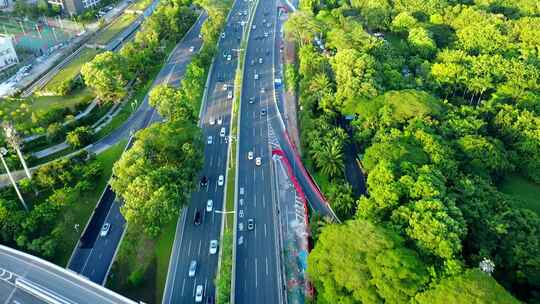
(445, 100)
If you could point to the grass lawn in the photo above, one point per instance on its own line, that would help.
(526, 192)
(72, 69)
(108, 33)
(140, 269)
(80, 213)
(140, 5)
(47, 102)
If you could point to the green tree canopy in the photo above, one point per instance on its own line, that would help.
(473, 286)
(361, 262)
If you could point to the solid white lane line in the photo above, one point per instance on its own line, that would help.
(189, 248)
(264, 229)
(256, 279)
(194, 284)
(183, 287)
(266, 261)
(264, 202)
(200, 243)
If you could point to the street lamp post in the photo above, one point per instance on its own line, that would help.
(3, 152)
(224, 212)
(15, 141)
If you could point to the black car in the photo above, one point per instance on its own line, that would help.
(198, 218)
(204, 181)
(210, 300)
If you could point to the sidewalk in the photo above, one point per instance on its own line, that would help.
(293, 224)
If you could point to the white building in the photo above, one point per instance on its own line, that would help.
(8, 56)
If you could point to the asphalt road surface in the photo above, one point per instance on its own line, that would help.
(257, 274)
(94, 261)
(25, 279)
(192, 241)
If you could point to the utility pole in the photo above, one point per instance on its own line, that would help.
(3, 152)
(15, 141)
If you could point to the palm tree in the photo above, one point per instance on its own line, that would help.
(329, 158)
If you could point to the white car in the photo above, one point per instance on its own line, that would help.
(229, 57)
(229, 95)
(266, 34)
(258, 161)
(220, 180)
(222, 35)
(225, 87)
(260, 60)
(192, 268)
(198, 294)
(211, 121)
(105, 229)
(191, 48)
(256, 76)
(240, 226)
(250, 155)
(213, 247)
(254, 27)
(222, 132)
(263, 90)
(219, 120)
(209, 205)
(210, 140)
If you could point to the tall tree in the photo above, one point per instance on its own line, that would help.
(107, 75)
(361, 262)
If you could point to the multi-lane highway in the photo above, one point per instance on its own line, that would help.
(193, 240)
(257, 274)
(25, 279)
(94, 257)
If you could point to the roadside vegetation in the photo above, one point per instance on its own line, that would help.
(444, 99)
(156, 176)
(60, 197)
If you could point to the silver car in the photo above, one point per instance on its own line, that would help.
(192, 268)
